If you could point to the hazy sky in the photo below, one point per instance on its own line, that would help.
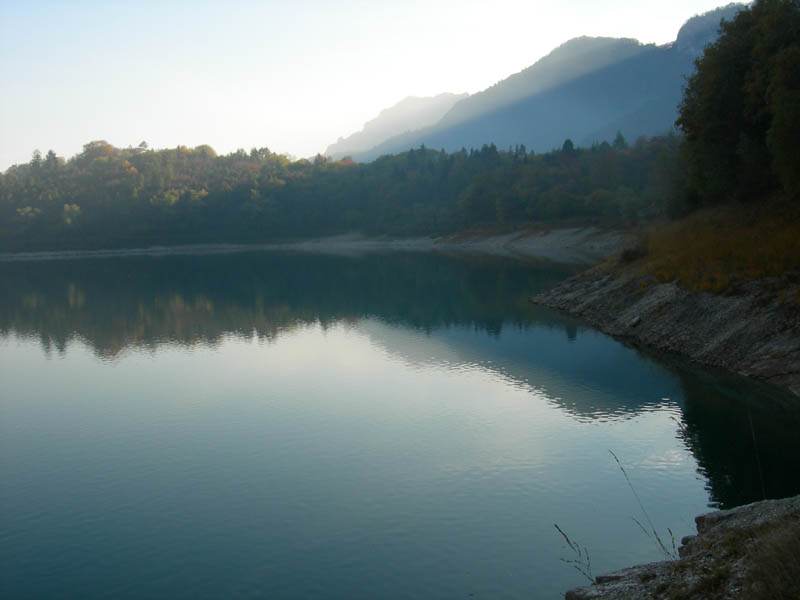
(290, 75)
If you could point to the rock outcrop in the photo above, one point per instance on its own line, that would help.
(733, 555)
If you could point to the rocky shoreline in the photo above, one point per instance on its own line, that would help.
(746, 552)
(754, 331)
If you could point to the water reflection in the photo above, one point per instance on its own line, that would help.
(423, 308)
(744, 436)
(114, 303)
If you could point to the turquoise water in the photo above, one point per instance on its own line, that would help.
(293, 426)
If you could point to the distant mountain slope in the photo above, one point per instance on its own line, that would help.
(569, 61)
(586, 89)
(412, 113)
(701, 30)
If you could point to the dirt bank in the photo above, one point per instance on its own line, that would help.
(752, 552)
(575, 245)
(578, 245)
(755, 330)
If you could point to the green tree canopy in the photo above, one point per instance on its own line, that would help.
(117, 197)
(741, 108)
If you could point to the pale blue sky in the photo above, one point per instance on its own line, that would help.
(292, 76)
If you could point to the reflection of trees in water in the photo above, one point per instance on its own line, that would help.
(743, 435)
(113, 303)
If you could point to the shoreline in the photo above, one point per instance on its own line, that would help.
(754, 331)
(573, 245)
(735, 554)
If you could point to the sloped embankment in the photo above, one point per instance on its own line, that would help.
(755, 330)
(751, 551)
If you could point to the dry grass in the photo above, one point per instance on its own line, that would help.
(775, 563)
(713, 248)
(755, 563)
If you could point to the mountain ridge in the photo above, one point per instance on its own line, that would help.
(408, 114)
(586, 89)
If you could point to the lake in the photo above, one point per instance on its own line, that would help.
(403, 425)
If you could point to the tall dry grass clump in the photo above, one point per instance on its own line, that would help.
(775, 563)
(713, 248)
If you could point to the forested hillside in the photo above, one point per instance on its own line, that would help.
(740, 116)
(738, 169)
(109, 196)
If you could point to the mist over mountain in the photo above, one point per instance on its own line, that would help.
(701, 30)
(587, 89)
(569, 61)
(409, 114)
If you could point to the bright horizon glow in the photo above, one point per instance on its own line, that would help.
(290, 76)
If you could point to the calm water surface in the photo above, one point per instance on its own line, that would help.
(307, 426)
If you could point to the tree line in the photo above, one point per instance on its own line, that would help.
(740, 111)
(107, 196)
(739, 118)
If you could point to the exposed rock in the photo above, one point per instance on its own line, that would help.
(719, 562)
(754, 331)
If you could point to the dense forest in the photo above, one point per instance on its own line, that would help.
(739, 117)
(108, 196)
(741, 109)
